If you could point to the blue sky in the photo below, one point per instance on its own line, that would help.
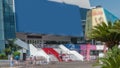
(111, 5)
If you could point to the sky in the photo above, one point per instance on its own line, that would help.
(80, 3)
(111, 5)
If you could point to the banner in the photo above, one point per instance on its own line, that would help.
(98, 16)
(94, 16)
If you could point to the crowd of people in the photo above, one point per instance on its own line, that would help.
(29, 60)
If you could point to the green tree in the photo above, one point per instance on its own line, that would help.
(106, 33)
(11, 47)
(111, 59)
(116, 27)
(7, 51)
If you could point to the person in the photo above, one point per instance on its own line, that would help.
(31, 59)
(34, 59)
(61, 57)
(11, 61)
(16, 58)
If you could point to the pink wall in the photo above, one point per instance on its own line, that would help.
(85, 50)
(84, 47)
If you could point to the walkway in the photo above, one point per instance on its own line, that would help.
(57, 65)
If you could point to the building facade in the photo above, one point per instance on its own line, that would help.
(47, 39)
(7, 22)
(49, 17)
(97, 16)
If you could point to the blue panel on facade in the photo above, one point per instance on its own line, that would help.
(110, 16)
(83, 13)
(73, 47)
(42, 16)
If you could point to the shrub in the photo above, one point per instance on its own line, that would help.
(3, 56)
(16, 53)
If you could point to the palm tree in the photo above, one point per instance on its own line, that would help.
(112, 59)
(116, 27)
(106, 33)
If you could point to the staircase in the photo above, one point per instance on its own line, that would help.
(76, 57)
(52, 58)
(21, 44)
(64, 49)
(38, 52)
(52, 51)
(72, 57)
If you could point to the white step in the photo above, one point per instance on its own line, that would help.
(52, 58)
(38, 52)
(78, 56)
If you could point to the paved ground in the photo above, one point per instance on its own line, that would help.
(58, 65)
(70, 65)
